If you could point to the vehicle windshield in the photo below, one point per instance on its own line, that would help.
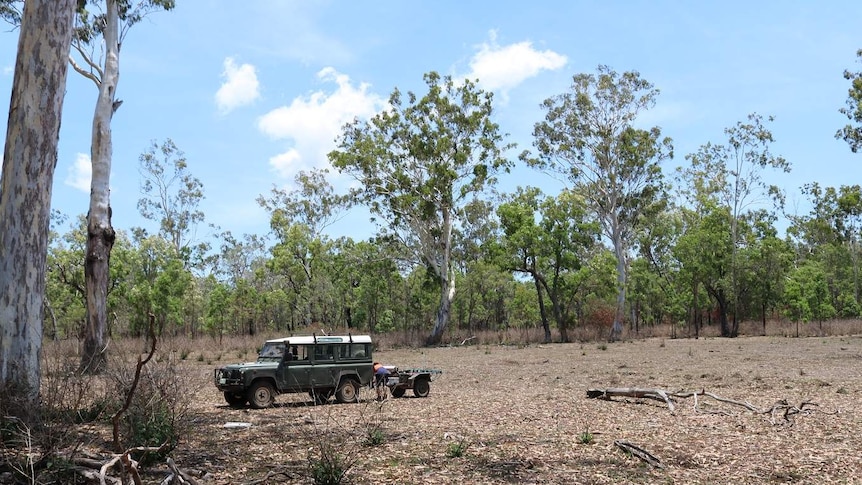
(271, 351)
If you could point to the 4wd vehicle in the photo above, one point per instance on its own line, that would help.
(320, 366)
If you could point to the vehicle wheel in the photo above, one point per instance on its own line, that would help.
(261, 395)
(421, 388)
(347, 391)
(321, 396)
(235, 400)
(398, 391)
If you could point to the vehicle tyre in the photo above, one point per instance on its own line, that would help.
(398, 391)
(321, 396)
(261, 395)
(348, 391)
(421, 387)
(235, 400)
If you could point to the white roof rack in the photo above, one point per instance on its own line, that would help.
(323, 339)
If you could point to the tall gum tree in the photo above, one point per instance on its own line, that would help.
(29, 160)
(588, 139)
(730, 177)
(419, 163)
(104, 31)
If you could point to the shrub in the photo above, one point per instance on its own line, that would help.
(159, 413)
(457, 449)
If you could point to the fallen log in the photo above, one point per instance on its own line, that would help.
(780, 408)
(607, 394)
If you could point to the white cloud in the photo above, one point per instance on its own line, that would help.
(501, 68)
(313, 122)
(80, 173)
(240, 87)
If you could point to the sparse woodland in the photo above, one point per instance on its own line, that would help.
(513, 295)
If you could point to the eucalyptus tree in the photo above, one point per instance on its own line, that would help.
(418, 163)
(482, 303)
(369, 284)
(29, 159)
(171, 196)
(520, 249)
(704, 254)
(159, 285)
(730, 175)
(97, 40)
(830, 233)
(548, 238)
(850, 133)
(239, 278)
(588, 138)
(806, 295)
(303, 254)
(769, 258)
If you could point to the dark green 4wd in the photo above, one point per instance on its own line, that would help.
(320, 366)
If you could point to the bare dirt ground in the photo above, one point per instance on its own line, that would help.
(519, 416)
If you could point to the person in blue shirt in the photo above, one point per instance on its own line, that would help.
(380, 375)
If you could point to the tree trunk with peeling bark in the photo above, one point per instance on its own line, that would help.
(100, 233)
(29, 160)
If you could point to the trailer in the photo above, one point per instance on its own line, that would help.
(399, 380)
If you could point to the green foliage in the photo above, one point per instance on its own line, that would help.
(375, 437)
(419, 164)
(853, 110)
(457, 449)
(586, 438)
(328, 469)
(588, 138)
(160, 410)
(171, 195)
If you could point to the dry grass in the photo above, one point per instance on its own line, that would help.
(518, 414)
(510, 411)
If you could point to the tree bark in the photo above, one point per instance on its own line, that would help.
(620, 310)
(542, 311)
(29, 160)
(443, 312)
(100, 233)
(447, 282)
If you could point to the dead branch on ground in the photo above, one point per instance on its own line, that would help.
(637, 451)
(780, 408)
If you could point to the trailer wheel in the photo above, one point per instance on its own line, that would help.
(421, 387)
(235, 400)
(398, 391)
(261, 395)
(347, 391)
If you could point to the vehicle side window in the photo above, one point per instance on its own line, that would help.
(324, 352)
(301, 352)
(353, 352)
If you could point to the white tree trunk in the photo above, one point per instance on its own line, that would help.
(620, 310)
(100, 233)
(29, 160)
(447, 283)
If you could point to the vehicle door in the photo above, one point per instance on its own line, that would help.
(295, 370)
(324, 371)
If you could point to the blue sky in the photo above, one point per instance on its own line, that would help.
(254, 94)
